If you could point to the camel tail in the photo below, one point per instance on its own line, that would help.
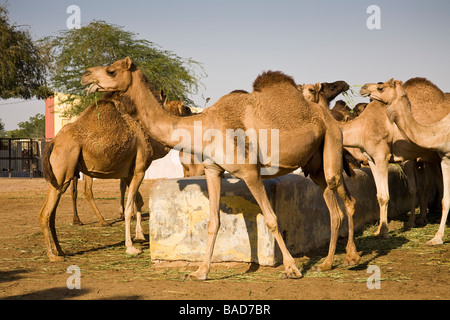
(47, 166)
(346, 163)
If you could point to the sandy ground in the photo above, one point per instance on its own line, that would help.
(408, 268)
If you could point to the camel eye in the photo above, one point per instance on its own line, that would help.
(111, 73)
(311, 90)
(380, 89)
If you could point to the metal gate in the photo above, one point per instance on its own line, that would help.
(21, 158)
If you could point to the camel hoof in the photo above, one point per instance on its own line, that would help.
(421, 222)
(381, 234)
(352, 260)
(292, 275)
(105, 224)
(139, 238)
(435, 242)
(409, 225)
(56, 258)
(77, 223)
(196, 276)
(133, 251)
(322, 267)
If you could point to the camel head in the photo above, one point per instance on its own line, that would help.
(385, 92)
(177, 108)
(113, 78)
(311, 92)
(329, 90)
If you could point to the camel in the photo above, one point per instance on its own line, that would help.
(323, 94)
(343, 113)
(177, 108)
(106, 143)
(435, 136)
(307, 137)
(356, 158)
(381, 142)
(174, 107)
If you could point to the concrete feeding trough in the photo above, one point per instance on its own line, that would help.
(179, 213)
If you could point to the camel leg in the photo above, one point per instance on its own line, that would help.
(380, 175)
(427, 180)
(256, 187)
(88, 183)
(336, 217)
(352, 257)
(47, 222)
(410, 168)
(76, 219)
(214, 184)
(438, 238)
(139, 203)
(123, 189)
(331, 180)
(132, 189)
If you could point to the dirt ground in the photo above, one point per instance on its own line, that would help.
(408, 268)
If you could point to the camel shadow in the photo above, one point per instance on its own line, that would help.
(61, 293)
(13, 275)
(369, 245)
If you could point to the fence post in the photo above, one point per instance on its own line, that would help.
(9, 158)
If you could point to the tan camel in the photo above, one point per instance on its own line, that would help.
(307, 138)
(104, 143)
(177, 108)
(381, 142)
(435, 137)
(323, 94)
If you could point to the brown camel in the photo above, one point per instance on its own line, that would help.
(435, 137)
(381, 142)
(306, 136)
(343, 113)
(173, 107)
(104, 143)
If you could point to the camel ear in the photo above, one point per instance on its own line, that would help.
(163, 97)
(392, 83)
(318, 87)
(128, 63)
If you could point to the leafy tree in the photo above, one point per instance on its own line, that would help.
(22, 67)
(72, 51)
(2, 129)
(33, 128)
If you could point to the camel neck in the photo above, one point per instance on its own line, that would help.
(419, 134)
(157, 122)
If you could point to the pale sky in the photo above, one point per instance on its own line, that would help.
(325, 40)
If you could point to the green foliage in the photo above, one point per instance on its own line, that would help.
(22, 68)
(33, 128)
(73, 51)
(2, 129)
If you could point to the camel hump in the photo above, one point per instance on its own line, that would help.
(271, 78)
(420, 83)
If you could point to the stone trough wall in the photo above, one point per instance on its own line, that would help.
(179, 212)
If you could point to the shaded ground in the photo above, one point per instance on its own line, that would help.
(409, 269)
